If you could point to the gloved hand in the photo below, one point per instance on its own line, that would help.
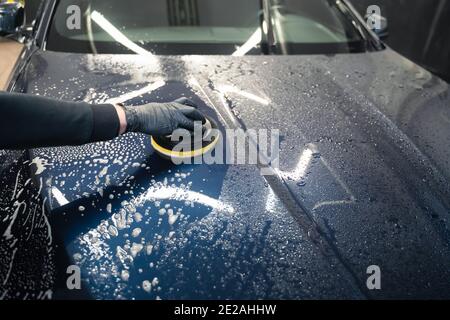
(161, 119)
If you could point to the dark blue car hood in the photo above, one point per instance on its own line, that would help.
(363, 180)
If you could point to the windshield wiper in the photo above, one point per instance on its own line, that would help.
(268, 38)
(346, 9)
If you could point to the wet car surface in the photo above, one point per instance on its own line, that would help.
(363, 180)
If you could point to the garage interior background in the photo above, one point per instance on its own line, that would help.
(418, 29)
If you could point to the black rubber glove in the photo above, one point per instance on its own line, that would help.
(161, 119)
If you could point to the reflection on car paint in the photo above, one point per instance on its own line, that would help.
(378, 149)
(134, 94)
(299, 176)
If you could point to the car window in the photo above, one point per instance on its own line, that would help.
(175, 27)
(313, 26)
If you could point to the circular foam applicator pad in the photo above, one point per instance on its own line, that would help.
(198, 145)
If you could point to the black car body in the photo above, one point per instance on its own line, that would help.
(363, 180)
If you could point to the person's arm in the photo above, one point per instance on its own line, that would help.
(28, 121)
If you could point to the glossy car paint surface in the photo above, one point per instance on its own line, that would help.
(363, 180)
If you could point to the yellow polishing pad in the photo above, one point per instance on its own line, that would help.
(164, 145)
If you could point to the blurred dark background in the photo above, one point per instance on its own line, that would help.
(31, 7)
(418, 29)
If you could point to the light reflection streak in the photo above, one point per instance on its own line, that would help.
(58, 195)
(179, 194)
(103, 23)
(254, 39)
(115, 33)
(271, 201)
(297, 174)
(302, 165)
(224, 89)
(133, 94)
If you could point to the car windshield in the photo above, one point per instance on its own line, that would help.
(182, 27)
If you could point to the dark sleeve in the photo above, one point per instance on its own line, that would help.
(28, 121)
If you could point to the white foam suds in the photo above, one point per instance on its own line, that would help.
(47, 223)
(173, 218)
(147, 286)
(135, 249)
(125, 275)
(136, 232)
(113, 231)
(138, 217)
(15, 186)
(40, 165)
(8, 232)
(101, 161)
(103, 172)
(149, 249)
(10, 267)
